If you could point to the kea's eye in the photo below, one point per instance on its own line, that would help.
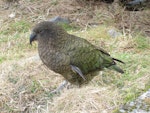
(40, 31)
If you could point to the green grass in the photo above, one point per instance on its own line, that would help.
(14, 40)
(34, 86)
(136, 66)
(142, 42)
(21, 26)
(2, 58)
(54, 2)
(17, 48)
(69, 27)
(94, 33)
(147, 86)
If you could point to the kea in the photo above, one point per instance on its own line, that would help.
(76, 59)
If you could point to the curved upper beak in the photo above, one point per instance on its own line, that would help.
(32, 37)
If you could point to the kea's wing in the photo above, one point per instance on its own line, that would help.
(87, 57)
(103, 51)
(86, 60)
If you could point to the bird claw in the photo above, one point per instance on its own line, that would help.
(55, 91)
(59, 88)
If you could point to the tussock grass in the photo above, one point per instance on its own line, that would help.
(26, 82)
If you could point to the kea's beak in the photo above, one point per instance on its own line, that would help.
(32, 37)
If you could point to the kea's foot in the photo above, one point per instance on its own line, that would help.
(60, 87)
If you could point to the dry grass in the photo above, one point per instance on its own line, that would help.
(86, 99)
(80, 13)
(26, 82)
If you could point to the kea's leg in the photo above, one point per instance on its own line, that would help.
(60, 87)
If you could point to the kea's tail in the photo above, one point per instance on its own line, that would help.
(118, 60)
(115, 67)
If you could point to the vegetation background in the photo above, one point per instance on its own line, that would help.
(26, 82)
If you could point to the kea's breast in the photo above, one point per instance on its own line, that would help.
(54, 60)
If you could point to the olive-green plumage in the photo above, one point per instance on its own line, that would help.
(73, 57)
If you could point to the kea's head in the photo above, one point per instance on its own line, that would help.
(46, 30)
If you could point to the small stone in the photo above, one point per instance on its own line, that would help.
(113, 33)
(12, 15)
(134, 111)
(140, 105)
(59, 19)
(142, 97)
(104, 111)
(148, 94)
(122, 110)
(132, 104)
